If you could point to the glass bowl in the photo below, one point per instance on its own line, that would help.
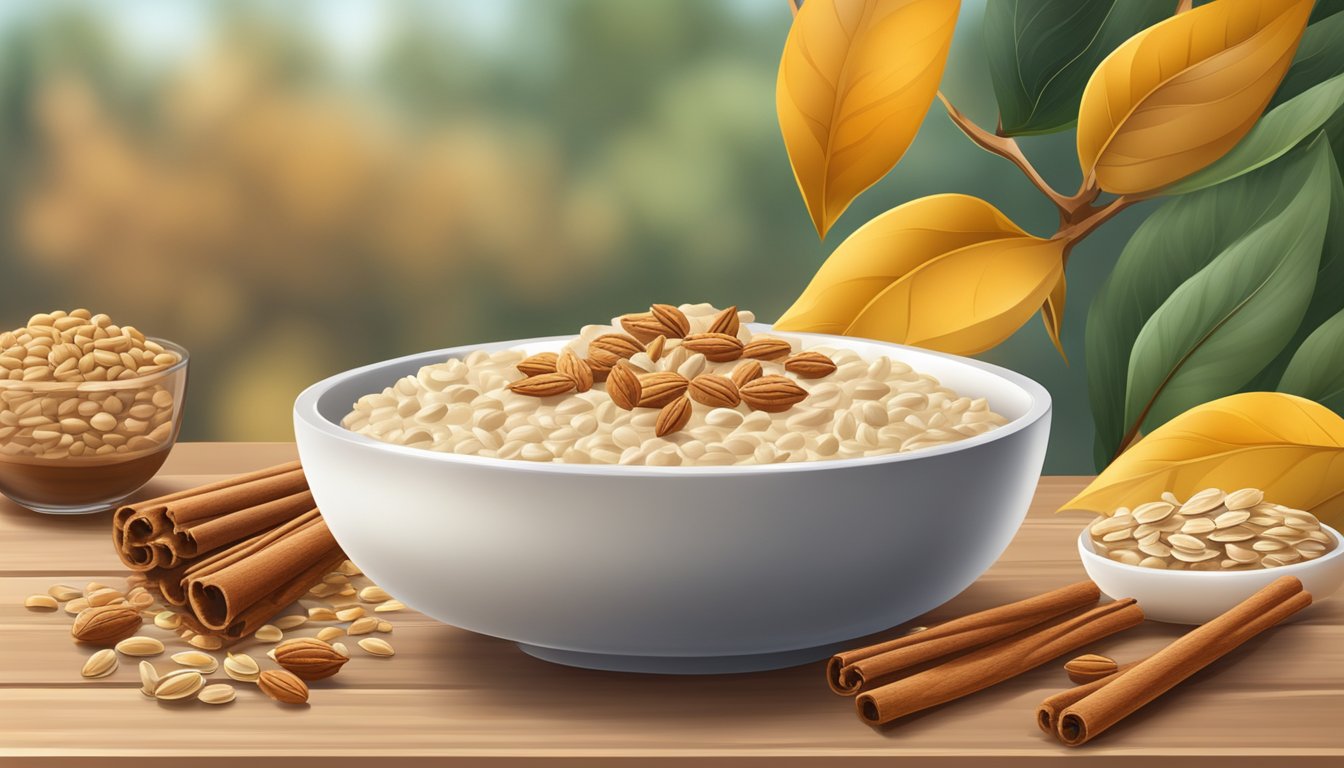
(81, 447)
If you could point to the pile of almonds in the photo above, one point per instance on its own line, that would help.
(115, 619)
(549, 374)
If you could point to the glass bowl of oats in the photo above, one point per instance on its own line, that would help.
(680, 490)
(1188, 561)
(89, 410)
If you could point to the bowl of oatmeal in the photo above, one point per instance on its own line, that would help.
(680, 491)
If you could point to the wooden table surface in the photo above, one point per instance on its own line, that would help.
(450, 696)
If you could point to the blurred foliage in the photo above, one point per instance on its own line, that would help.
(290, 198)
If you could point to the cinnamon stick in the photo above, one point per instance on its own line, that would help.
(235, 552)
(1159, 673)
(994, 663)
(1047, 714)
(849, 671)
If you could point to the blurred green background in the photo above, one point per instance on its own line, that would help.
(292, 189)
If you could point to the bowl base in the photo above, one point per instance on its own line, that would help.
(684, 665)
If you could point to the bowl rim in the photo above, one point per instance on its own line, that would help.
(1085, 551)
(305, 410)
(135, 382)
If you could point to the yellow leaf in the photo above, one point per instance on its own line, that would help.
(1288, 446)
(1180, 94)
(948, 272)
(1052, 313)
(855, 80)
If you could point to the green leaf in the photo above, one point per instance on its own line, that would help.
(1277, 132)
(1319, 57)
(1329, 297)
(1224, 324)
(1042, 52)
(1317, 370)
(1325, 8)
(1170, 247)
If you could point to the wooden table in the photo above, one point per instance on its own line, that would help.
(453, 696)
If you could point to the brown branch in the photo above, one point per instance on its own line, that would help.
(1089, 217)
(1006, 147)
(793, 6)
(1183, 6)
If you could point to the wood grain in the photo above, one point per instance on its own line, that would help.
(453, 696)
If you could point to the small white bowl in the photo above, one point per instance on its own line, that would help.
(1195, 597)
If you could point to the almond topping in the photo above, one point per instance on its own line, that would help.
(772, 394)
(716, 347)
(617, 344)
(673, 417)
(749, 370)
(659, 389)
(672, 319)
(810, 365)
(623, 386)
(538, 364)
(576, 369)
(725, 322)
(767, 348)
(545, 385)
(714, 390)
(643, 326)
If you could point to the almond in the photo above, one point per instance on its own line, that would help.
(538, 364)
(105, 625)
(1089, 667)
(725, 322)
(309, 658)
(673, 417)
(601, 368)
(577, 370)
(283, 686)
(544, 385)
(772, 394)
(654, 349)
(766, 348)
(643, 326)
(617, 344)
(177, 685)
(716, 347)
(623, 386)
(810, 365)
(659, 389)
(715, 391)
(671, 318)
(745, 372)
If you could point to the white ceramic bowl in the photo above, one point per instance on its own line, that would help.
(1195, 597)
(676, 569)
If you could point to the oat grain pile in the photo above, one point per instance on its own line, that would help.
(1211, 531)
(132, 636)
(687, 385)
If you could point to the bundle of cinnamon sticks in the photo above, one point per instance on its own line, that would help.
(235, 552)
(977, 651)
(994, 645)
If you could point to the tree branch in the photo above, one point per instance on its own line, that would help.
(1183, 5)
(1003, 146)
(794, 5)
(1089, 217)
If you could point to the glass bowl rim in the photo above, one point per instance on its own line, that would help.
(137, 382)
